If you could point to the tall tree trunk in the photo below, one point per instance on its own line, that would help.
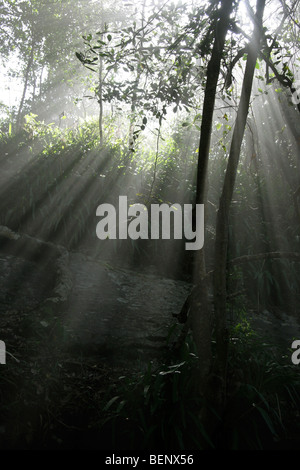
(100, 98)
(221, 242)
(213, 71)
(136, 84)
(200, 317)
(26, 80)
(133, 112)
(100, 87)
(291, 117)
(41, 83)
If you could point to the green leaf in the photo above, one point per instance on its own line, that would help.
(110, 403)
(267, 419)
(179, 437)
(146, 390)
(80, 56)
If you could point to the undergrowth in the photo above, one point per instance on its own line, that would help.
(161, 408)
(53, 397)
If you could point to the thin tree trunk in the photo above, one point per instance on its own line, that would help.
(136, 85)
(40, 83)
(100, 99)
(100, 87)
(221, 242)
(213, 71)
(291, 120)
(26, 80)
(200, 317)
(133, 110)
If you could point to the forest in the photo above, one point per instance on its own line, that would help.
(149, 225)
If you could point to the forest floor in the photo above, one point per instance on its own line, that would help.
(66, 361)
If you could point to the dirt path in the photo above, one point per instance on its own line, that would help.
(119, 312)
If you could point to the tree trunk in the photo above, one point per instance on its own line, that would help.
(100, 99)
(221, 242)
(200, 317)
(136, 85)
(100, 87)
(26, 80)
(213, 71)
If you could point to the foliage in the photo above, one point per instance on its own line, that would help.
(262, 395)
(71, 401)
(159, 408)
(73, 158)
(163, 404)
(144, 65)
(38, 40)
